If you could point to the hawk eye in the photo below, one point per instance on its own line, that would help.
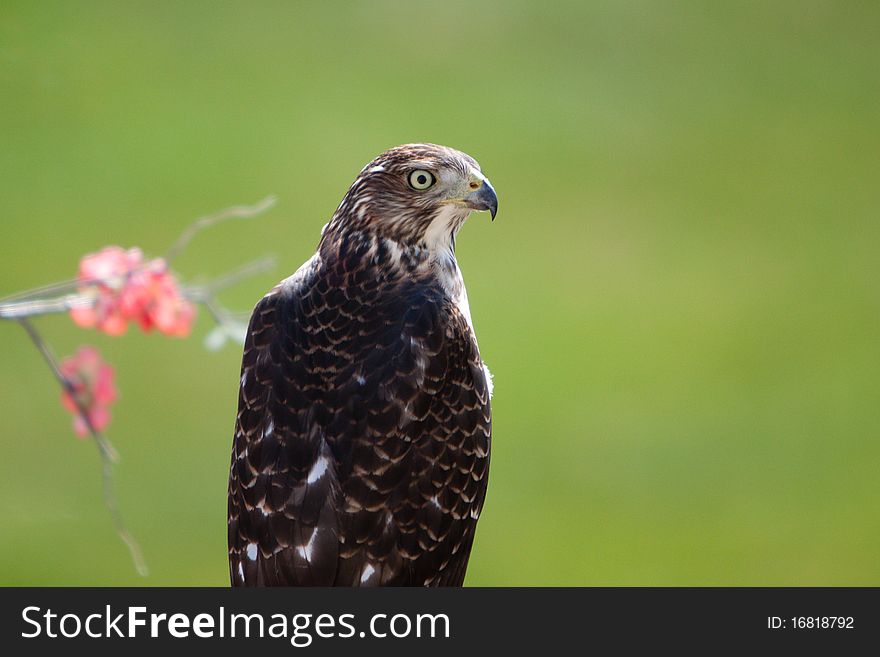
(420, 179)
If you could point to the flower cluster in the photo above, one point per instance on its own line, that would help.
(115, 287)
(90, 389)
(125, 287)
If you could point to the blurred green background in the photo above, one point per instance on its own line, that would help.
(680, 299)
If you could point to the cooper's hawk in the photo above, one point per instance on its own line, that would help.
(361, 448)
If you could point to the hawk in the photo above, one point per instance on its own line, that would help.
(361, 447)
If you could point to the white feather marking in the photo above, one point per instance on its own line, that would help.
(489, 383)
(305, 551)
(435, 502)
(367, 573)
(360, 379)
(318, 470)
(252, 551)
(240, 571)
(377, 169)
(270, 427)
(395, 253)
(244, 378)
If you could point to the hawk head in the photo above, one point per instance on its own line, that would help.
(416, 194)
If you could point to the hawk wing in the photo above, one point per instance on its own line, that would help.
(361, 445)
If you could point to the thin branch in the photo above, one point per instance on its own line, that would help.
(104, 446)
(200, 224)
(134, 549)
(200, 292)
(52, 288)
(30, 303)
(109, 456)
(19, 309)
(30, 306)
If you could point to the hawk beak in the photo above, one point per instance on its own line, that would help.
(483, 198)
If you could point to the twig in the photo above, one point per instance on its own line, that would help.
(28, 304)
(18, 309)
(200, 224)
(200, 292)
(52, 288)
(34, 302)
(134, 549)
(109, 456)
(104, 446)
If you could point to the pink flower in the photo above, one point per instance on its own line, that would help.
(161, 305)
(92, 387)
(127, 288)
(107, 275)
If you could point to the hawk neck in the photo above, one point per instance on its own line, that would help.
(394, 263)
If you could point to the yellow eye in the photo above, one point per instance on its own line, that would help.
(420, 179)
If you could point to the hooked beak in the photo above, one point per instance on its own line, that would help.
(483, 198)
